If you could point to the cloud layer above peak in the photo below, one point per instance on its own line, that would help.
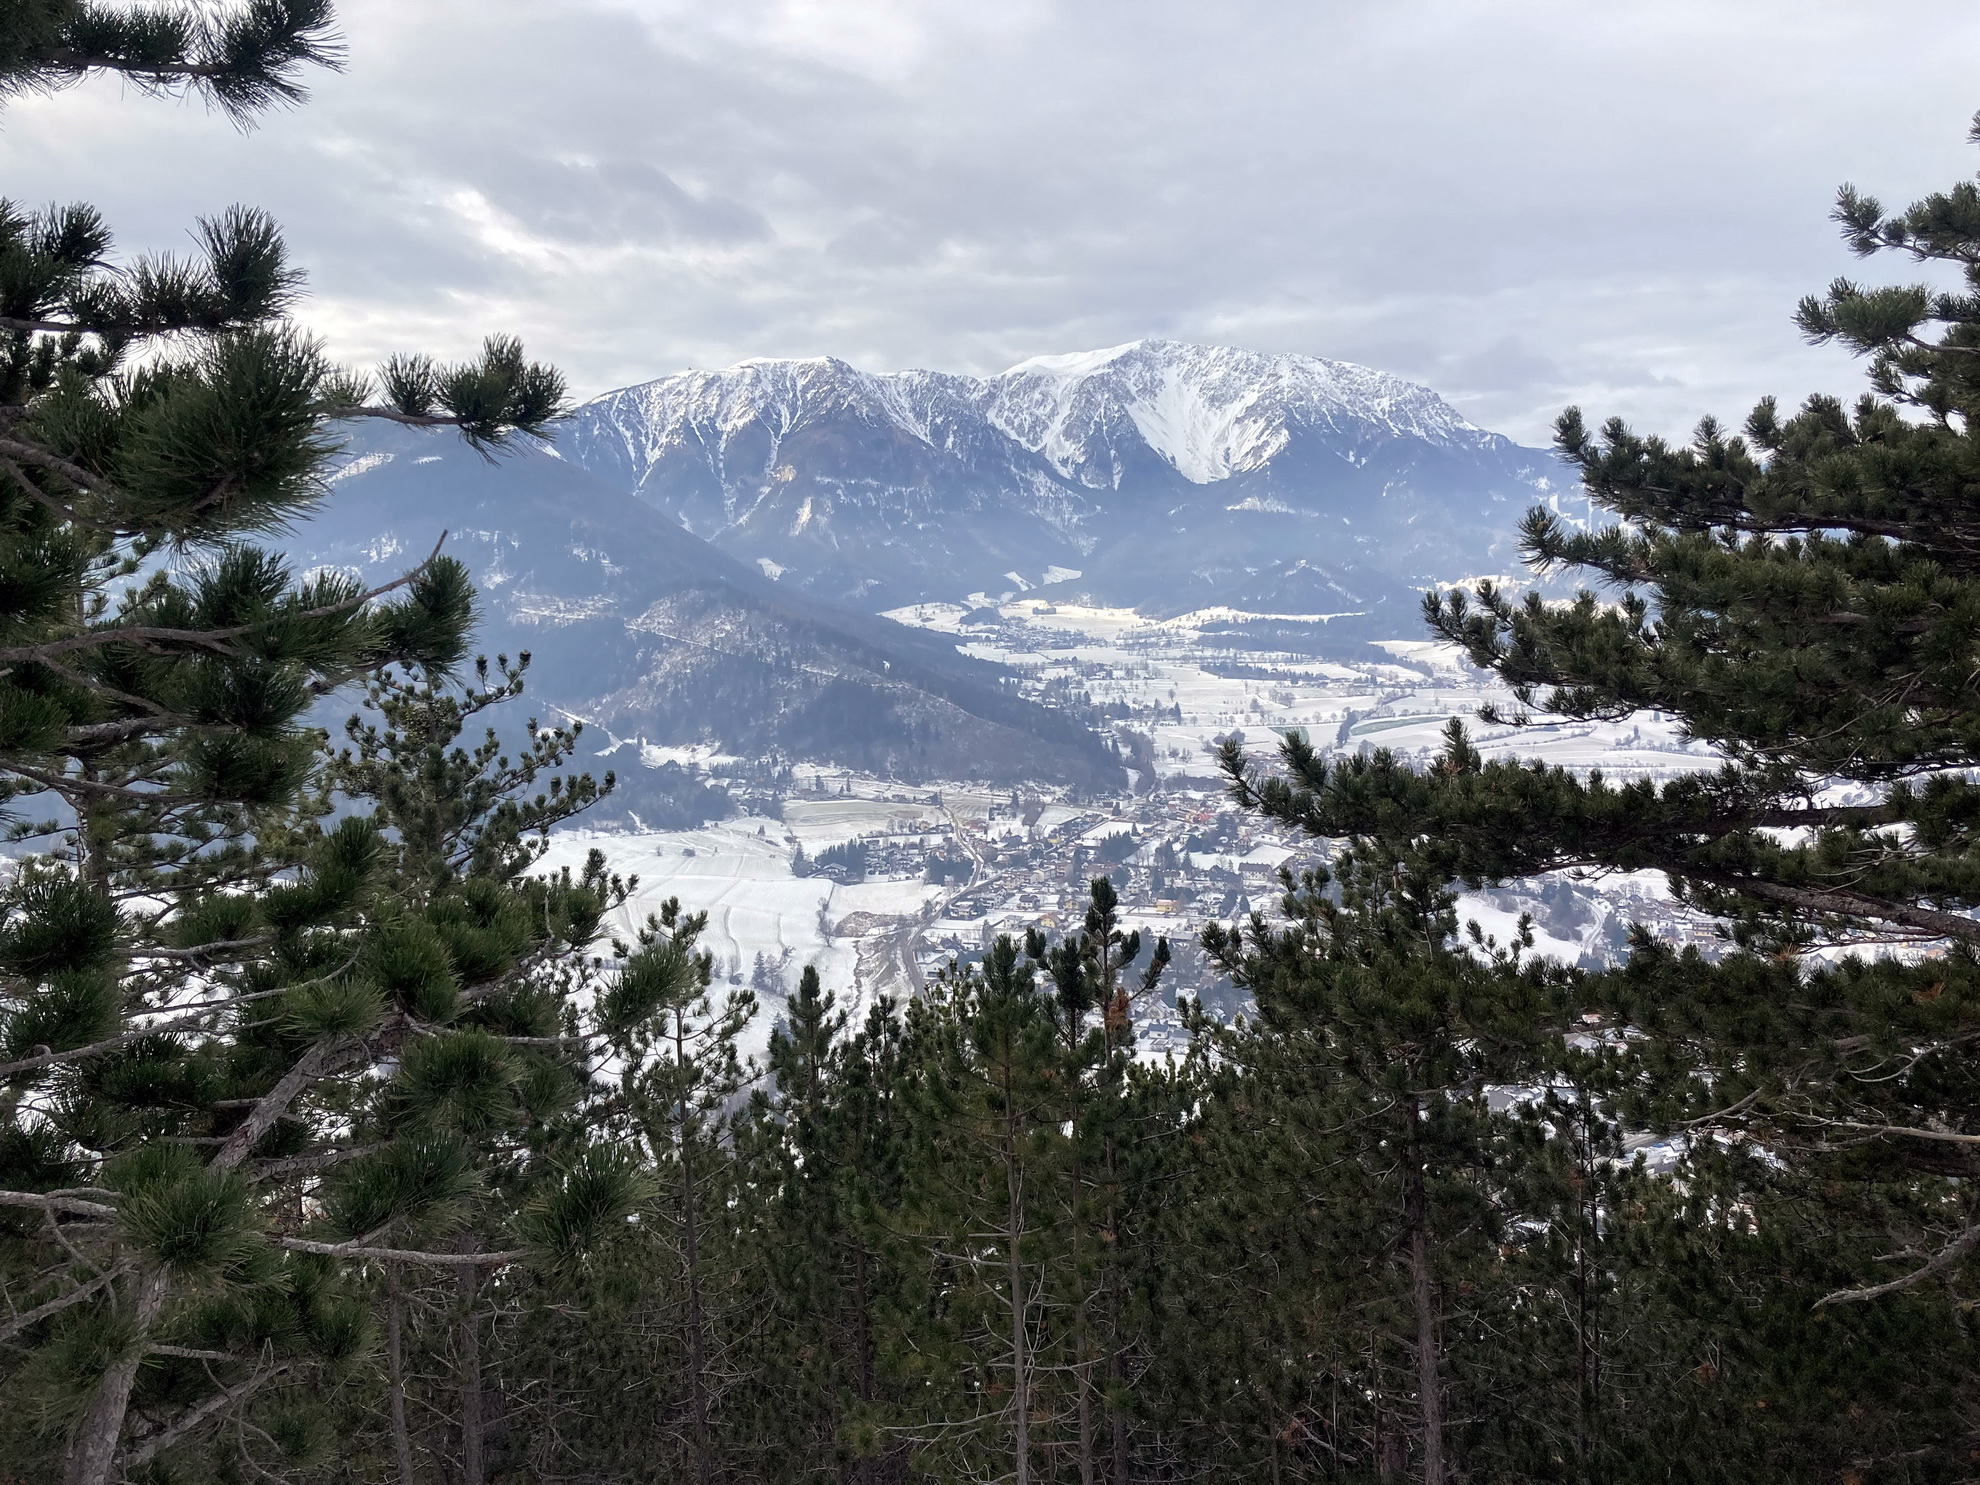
(1523, 203)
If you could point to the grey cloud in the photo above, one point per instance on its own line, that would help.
(1523, 204)
(593, 202)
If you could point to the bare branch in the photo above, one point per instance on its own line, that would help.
(18, 1323)
(404, 1255)
(49, 503)
(42, 327)
(74, 473)
(190, 1016)
(1724, 1113)
(191, 1353)
(303, 1165)
(1946, 1136)
(1847, 904)
(65, 783)
(51, 1203)
(166, 1438)
(392, 415)
(1944, 1259)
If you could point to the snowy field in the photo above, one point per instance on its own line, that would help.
(1151, 666)
(739, 873)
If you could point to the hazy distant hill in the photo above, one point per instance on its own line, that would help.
(653, 634)
(1161, 475)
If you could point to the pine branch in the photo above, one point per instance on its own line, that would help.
(15, 1324)
(213, 639)
(404, 1255)
(187, 1422)
(272, 1105)
(1939, 1262)
(243, 60)
(190, 1015)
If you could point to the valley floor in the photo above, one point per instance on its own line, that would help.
(948, 865)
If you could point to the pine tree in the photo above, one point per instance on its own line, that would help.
(1092, 1007)
(1800, 594)
(679, 1075)
(986, 1106)
(829, 1143)
(184, 976)
(1377, 1041)
(478, 1138)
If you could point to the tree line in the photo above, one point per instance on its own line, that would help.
(342, 1140)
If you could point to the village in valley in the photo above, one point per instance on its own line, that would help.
(883, 883)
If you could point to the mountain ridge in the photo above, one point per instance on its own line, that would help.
(1157, 473)
(646, 630)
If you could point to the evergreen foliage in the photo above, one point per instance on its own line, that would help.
(198, 977)
(1802, 595)
(1382, 1041)
(242, 59)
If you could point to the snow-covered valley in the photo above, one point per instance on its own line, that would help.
(947, 866)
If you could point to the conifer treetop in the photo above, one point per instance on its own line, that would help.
(1803, 594)
(242, 58)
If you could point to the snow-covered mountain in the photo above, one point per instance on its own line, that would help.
(1210, 412)
(1158, 474)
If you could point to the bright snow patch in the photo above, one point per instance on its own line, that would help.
(359, 466)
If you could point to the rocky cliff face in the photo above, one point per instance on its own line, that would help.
(1156, 474)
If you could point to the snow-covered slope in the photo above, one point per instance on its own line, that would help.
(648, 631)
(1211, 412)
(1156, 473)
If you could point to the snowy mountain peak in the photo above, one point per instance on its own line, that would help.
(1154, 468)
(1210, 412)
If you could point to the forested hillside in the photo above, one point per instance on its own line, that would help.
(658, 637)
(344, 1141)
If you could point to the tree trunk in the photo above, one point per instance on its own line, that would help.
(1114, 1018)
(1116, 1357)
(1013, 1233)
(474, 1468)
(93, 1451)
(92, 1454)
(1117, 1376)
(1423, 1294)
(395, 1360)
(1389, 1448)
(1082, 1337)
(1429, 1379)
(863, 1345)
(697, 1341)
(1084, 1384)
(1588, 1338)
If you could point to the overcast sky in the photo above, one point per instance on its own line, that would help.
(1521, 203)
